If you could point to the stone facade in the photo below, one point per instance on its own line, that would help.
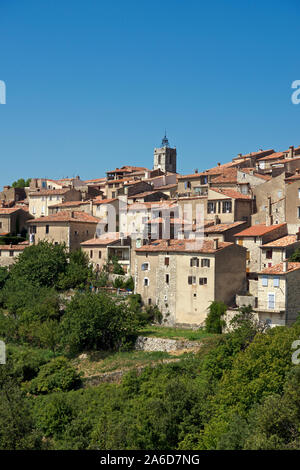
(40, 200)
(9, 254)
(184, 283)
(13, 220)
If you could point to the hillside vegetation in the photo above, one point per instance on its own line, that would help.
(241, 389)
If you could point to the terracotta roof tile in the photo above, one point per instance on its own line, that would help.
(255, 173)
(222, 227)
(273, 156)
(98, 202)
(13, 247)
(278, 268)
(231, 193)
(10, 210)
(258, 230)
(67, 216)
(229, 175)
(207, 246)
(49, 192)
(283, 241)
(104, 239)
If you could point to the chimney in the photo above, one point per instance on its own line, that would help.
(10, 245)
(219, 164)
(91, 207)
(291, 151)
(285, 265)
(196, 170)
(216, 243)
(168, 242)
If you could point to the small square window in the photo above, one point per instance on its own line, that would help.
(192, 280)
(203, 281)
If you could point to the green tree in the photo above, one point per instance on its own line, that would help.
(96, 321)
(295, 257)
(40, 264)
(17, 430)
(214, 322)
(3, 276)
(78, 273)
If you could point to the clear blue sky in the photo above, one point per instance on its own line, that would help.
(91, 85)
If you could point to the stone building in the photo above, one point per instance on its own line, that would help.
(12, 195)
(41, 199)
(183, 277)
(270, 201)
(9, 253)
(278, 295)
(165, 157)
(69, 227)
(13, 220)
(253, 237)
(277, 251)
(228, 205)
(100, 250)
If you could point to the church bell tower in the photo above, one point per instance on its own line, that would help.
(165, 157)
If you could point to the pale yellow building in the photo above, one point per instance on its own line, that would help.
(100, 250)
(183, 277)
(41, 199)
(278, 295)
(69, 227)
(9, 253)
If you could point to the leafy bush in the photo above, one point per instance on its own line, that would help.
(55, 376)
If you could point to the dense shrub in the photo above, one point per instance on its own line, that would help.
(56, 376)
(96, 321)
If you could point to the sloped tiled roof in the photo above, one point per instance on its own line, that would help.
(231, 193)
(255, 173)
(98, 202)
(103, 240)
(200, 246)
(67, 216)
(273, 156)
(258, 230)
(281, 242)
(13, 247)
(222, 227)
(9, 210)
(49, 192)
(227, 176)
(278, 268)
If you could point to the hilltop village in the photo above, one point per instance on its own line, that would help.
(222, 234)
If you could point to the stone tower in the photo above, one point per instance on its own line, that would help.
(165, 157)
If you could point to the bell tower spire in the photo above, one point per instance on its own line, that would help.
(165, 157)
